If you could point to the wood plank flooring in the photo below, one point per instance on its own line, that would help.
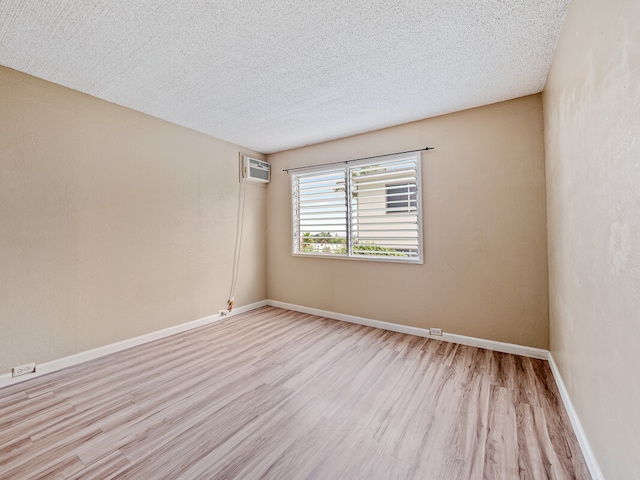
(283, 395)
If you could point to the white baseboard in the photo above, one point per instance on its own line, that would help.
(420, 332)
(60, 363)
(589, 457)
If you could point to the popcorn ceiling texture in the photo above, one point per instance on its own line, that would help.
(277, 75)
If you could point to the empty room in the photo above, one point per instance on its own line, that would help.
(320, 240)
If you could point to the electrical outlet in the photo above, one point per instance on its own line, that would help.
(222, 313)
(23, 369)
(435, 331)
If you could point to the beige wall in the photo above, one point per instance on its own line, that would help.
(485, 269)
(112, 223)
(592, 138)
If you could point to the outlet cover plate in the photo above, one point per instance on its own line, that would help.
(436, 331)
(23, 369)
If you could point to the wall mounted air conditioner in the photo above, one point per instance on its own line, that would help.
(254, 170)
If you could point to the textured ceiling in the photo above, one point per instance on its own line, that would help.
(272, 75)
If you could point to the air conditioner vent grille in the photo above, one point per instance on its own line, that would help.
(254, 170)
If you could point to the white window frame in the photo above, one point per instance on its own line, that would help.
(348, 195)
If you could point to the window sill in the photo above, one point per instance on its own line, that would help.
(409, 261)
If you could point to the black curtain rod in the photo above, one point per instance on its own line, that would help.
(357, 159)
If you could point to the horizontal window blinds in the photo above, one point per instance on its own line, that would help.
(367, 210)
(320, 212)
(384, 213)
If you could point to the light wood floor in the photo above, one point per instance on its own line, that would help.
(283, 395)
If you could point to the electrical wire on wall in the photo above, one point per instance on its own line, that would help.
(236, 255)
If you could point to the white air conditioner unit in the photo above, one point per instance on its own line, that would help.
(254, 170)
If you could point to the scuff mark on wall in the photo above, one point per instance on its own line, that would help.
(619, 246)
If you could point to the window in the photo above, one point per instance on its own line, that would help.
(366, 210)
(401, 198)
